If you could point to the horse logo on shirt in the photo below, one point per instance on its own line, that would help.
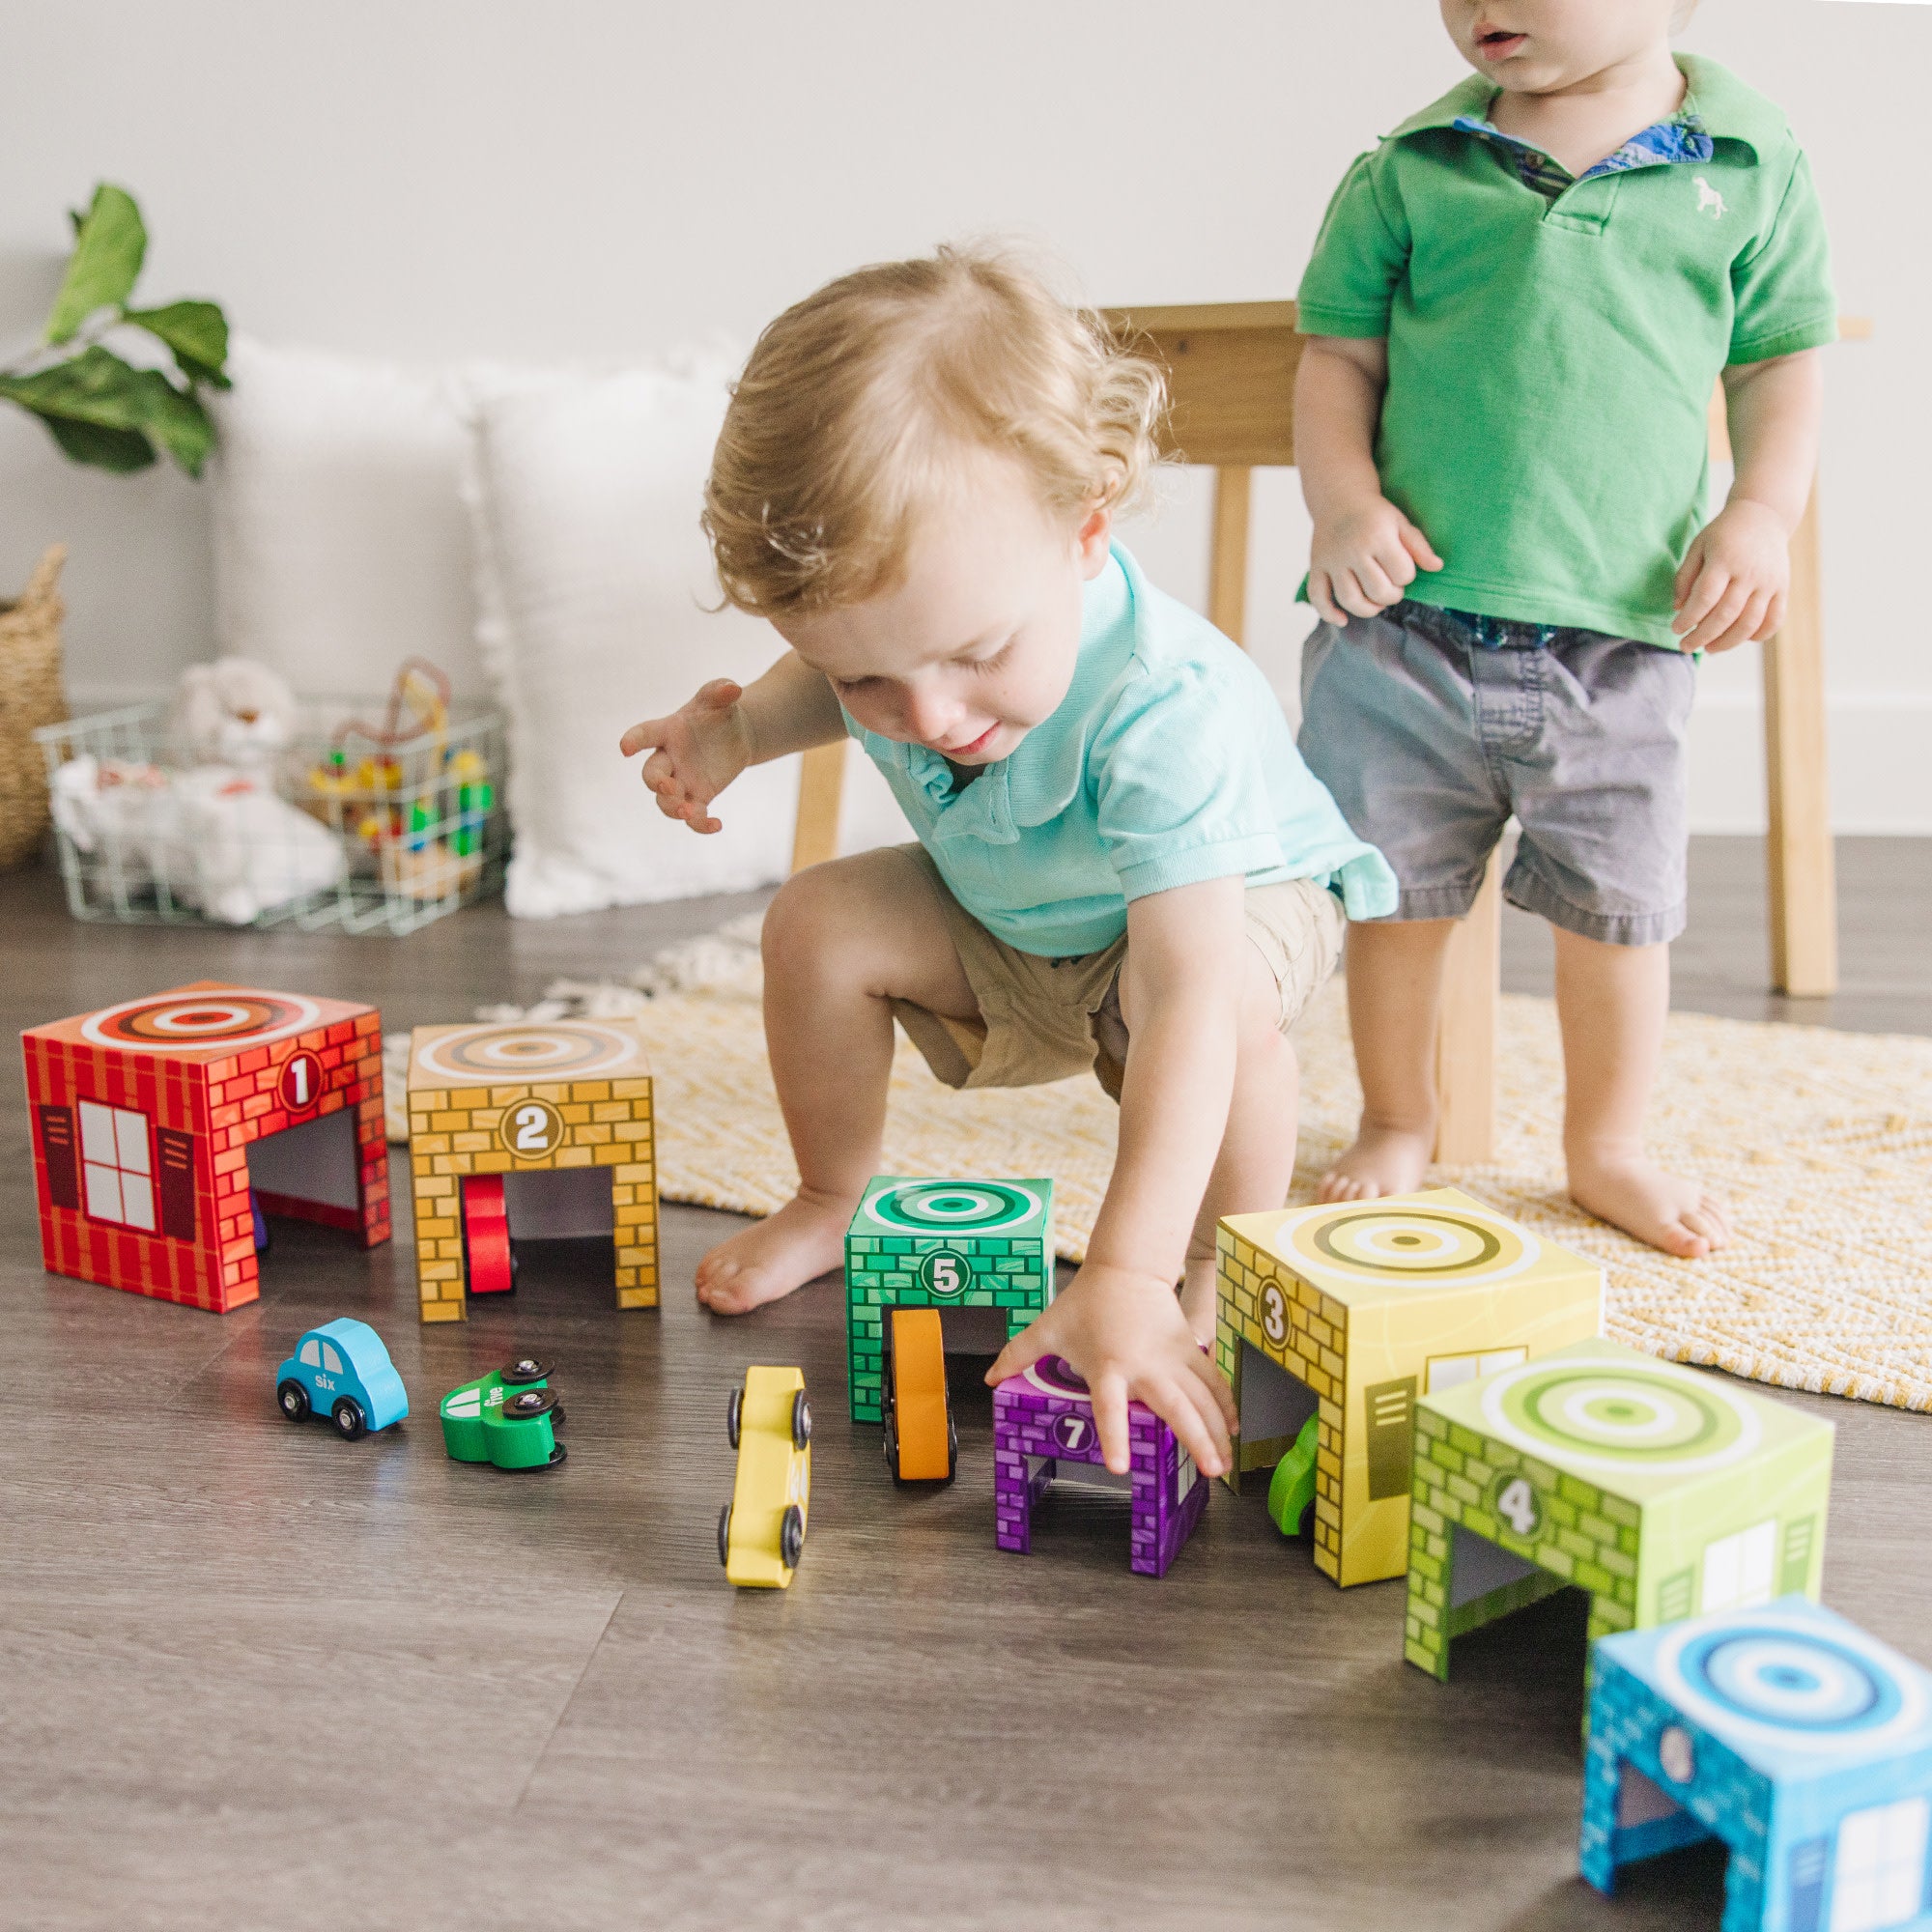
(1709, 197)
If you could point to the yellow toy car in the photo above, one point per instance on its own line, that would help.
(762, 1531)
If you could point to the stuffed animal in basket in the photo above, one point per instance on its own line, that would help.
(216, 836)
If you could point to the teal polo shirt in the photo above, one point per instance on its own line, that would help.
(1551, 355)
(1167, 763)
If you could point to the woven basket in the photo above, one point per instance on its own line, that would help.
(30, 697)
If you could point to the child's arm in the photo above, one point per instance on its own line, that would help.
(1732, 587)
(1120, 1323)
(1365, 551)
(704, 744)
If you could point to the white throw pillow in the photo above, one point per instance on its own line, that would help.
(594, 581)
(340, 543)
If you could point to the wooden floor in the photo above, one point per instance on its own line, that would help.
(255, 1676)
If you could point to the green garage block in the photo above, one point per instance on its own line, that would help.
(946, 1244)
(1663, 1491)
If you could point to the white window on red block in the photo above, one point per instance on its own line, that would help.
(118, 1171)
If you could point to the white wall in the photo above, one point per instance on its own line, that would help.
(428, 181)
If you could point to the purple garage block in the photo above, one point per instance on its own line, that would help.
(1044, 1416)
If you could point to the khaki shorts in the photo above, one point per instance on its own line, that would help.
(1047, 1019)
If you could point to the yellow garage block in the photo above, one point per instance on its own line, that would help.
(1403, 1296)
(465, 1083)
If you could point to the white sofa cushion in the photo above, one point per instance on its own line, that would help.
(593, 578)
(340, 542)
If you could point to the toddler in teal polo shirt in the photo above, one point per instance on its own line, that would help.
(1518, 307)
(1124, 864)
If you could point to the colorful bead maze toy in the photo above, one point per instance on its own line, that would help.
(553, 1120)
(1345, 1313)
(508, 1417)
(1662, 1492)
(1044, 1420)
(153, 1118)
(949, 1245)
(1803, 1743)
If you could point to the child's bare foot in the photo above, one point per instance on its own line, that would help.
(802, 1241)
(1383, 1160)
(1637, 1196)
(1197, 1297)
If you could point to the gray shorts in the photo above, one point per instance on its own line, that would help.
(1431, 738)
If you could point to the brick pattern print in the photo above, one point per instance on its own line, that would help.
(1045, 1415)
(463, 1121)
(990, 1245)
(186, 1061)
(1787, 1732)
(1655, 1487)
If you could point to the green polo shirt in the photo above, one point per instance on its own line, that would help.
(1550, 361)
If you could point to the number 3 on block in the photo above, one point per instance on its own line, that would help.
(1517, 1505)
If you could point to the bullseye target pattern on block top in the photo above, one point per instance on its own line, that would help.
(1408, 1244)
(223, 1020)
(1776, 1679)
(530, 1098)
(1649, 1415)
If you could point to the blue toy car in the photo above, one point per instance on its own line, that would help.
(342, 1370)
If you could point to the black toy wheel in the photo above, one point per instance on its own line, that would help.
(734, 1412)
(724, 1534)
(293, 1399)
(952, 1448)
(524, 1370)
(528, 1402)
(800, 1421)
(791, 1536)
(557, 1416)
(892, 1443)
(557, 1455)
(349, 1421)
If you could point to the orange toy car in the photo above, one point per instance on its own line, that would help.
(922, 1441)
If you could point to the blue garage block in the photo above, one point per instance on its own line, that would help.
(1787, 1732)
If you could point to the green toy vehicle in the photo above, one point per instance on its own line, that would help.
(1292, 1488)
(508, 1417)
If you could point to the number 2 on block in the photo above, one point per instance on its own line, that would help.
(532, 1129)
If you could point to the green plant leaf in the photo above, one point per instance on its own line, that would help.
(117, 449)
(197, 331)
(98, 387)
(107, 252)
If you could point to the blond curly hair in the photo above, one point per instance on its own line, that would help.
(850, 418)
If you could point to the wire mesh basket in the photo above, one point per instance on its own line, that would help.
(339, 831)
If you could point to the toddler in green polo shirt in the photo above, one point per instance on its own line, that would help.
(1518, 306)
(1123, 864)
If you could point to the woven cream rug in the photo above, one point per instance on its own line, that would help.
(1821, 1140)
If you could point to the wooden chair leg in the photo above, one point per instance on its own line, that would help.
(822, 785)
(1228, 569)
(1804, 893)
(1466, 1033)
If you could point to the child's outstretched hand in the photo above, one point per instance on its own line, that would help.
(702, 746)
(1125, 1335)
(1732, 587)
(1362, 560)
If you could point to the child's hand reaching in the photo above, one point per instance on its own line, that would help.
(702, 746)
(1363, 559)
(1732, 587)
(1125, 1335)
